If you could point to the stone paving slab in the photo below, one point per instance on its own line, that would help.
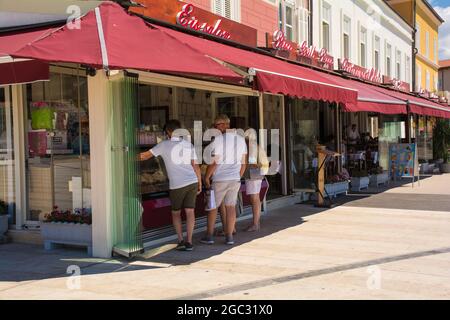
(301, 252)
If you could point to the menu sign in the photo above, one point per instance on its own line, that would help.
(299, 52)
(371, 75)
(188, 16)
(403, 160)
(397, 84)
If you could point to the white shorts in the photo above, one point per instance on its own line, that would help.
(226, 192)
(253, 186)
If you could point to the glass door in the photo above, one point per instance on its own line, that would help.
(7, 173)
(125, 181)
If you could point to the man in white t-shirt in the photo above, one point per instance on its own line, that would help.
(224, 176)
(184, 179)
(353, 135)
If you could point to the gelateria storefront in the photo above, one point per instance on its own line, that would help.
(45, 152)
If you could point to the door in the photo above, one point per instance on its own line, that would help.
(126, 202)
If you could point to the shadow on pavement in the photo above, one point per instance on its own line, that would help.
(23, 262)
(270, 224)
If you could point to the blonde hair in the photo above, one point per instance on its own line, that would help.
(222, 117)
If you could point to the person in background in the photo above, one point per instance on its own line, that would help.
(224, 176)
(257, 167)
(353, 135)
(184, 179)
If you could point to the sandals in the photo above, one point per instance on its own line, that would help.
(252, 228)
(222, 234)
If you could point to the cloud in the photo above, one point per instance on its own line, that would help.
(444, 33)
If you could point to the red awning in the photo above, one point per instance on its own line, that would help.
(419, 105)
(110, 37)
(372, 100)
(273, 75)
(23, 72)
(16, 72)
(10, 42)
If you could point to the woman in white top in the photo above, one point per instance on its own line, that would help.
(258, 165)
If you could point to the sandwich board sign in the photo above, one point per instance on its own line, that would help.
(403, 161)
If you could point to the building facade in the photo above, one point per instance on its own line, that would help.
(426, 21)
(367, 33)
(444, 78)
(259, 14)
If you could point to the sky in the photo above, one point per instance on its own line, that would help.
(443, 9)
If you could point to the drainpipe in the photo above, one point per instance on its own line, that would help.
(311, 22)
(414, 51)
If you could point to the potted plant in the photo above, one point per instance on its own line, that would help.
(67, 227)
(360, 180)
(441, 143)
(3, 218)
(337, 184)
(378, 176)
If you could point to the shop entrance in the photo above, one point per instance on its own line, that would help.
(7, 167)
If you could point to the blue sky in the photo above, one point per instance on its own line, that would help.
(440, 3)
(443, 9)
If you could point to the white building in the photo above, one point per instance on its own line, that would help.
(367, 32)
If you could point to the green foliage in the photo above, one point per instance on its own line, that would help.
(441, 139)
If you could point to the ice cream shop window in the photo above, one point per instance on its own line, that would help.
(57, 144)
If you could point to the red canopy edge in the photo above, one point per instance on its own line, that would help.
(418, 105)
(304, 88)
(369, 99)
(130, 43)
(23, 72)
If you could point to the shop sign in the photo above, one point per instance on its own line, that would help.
(371, 75)
(397, 84)
(299, 52)
(191, 17)
(187, 19)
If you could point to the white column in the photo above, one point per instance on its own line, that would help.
(19, 154)
(100, 146)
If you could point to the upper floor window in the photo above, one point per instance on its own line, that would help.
(427, 44)
(286, 16)
(388, 59)
(346, 32)
(376, 52)
(398, 65)
(418, 78)
(435, 51)
(428, 81)
(363, 47)
(326, 23)
(303, 21)
(227, 8)
(408, 69)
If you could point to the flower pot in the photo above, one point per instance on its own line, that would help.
(444, 168)
(3, 224)
(66, 233)
(334, 189)
(359, 183)
(377, 179)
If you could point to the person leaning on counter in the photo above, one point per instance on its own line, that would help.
(185, 181)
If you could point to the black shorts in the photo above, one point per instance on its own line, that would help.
(183, 198)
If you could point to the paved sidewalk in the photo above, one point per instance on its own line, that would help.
(392, 245)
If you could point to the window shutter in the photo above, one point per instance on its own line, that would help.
(227, 9)
(218, 7)
(224, 8)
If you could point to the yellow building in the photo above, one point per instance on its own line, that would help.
(420, 13)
